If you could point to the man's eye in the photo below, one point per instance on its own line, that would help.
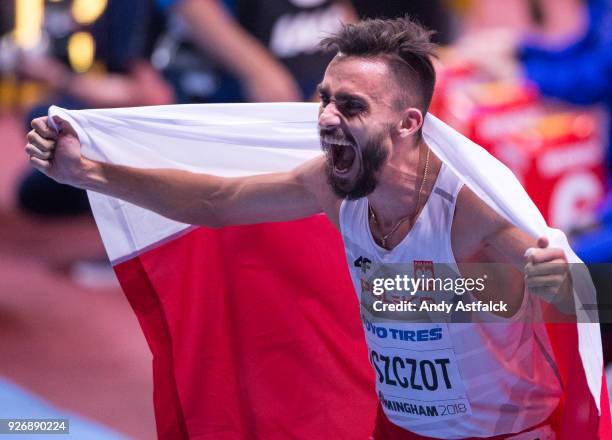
(324, 99)
(353, 107)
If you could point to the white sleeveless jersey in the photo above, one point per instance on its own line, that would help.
(447, 380)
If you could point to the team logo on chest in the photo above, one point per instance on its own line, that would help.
(363, 263)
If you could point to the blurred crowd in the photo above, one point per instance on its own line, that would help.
(526, 79)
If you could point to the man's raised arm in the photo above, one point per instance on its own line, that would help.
(481, 235)
(193, 198)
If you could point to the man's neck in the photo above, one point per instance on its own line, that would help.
(396, 195)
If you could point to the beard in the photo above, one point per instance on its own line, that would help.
(373, 156)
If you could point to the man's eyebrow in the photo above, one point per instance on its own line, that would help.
(342, 96)
(345, 96)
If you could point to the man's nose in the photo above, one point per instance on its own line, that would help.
(329, 116)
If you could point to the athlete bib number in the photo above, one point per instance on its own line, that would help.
(416, 378)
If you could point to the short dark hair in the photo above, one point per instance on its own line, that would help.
(403, 43)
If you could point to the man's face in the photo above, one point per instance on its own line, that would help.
(356, 119)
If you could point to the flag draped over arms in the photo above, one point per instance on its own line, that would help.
(255, 330)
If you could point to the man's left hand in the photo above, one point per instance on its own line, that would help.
(547, 274)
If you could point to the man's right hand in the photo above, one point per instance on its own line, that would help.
(58, 155)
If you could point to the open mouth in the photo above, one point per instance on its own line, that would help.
(343, 156)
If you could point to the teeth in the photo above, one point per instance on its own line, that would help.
(337, 142)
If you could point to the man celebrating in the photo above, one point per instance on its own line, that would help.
(394, 202)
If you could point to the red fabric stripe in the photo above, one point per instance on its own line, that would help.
(145, 301)
(577, 416)
(605, 422)
(261, 328)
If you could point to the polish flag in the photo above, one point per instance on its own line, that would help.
(255, 330)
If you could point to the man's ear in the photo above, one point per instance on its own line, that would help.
(411, 123)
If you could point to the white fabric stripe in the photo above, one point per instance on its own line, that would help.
(238, 139)
(191, 137)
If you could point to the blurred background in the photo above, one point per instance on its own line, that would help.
(529, 80)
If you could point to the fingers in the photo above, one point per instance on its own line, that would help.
(542, 242)
(547, 273)
(64, 126)
(33, 151)
(553, 282)
(542, 253)
(41, 127)
(39, 145)
(553, 267)
(40, 149)
(554, 290)
(547, 255)
(550, 284)
(39, 164)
